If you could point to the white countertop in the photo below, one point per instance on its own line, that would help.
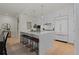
(39, 33)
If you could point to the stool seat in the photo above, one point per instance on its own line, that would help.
(35, 39)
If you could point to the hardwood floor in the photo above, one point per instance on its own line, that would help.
(60, 48)
(15, 48)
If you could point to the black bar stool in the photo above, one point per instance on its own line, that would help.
(35, 43)
(24, 40)
(29, 41)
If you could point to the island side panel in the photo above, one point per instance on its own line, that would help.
(45, 42)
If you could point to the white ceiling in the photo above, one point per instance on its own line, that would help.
(30, 8)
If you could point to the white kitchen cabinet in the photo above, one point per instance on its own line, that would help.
(61, 28)
(57, 26)
(64, 26)
(61, 25)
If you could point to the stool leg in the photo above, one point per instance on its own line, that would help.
(26, 42)
(31, 46)
(37, 52)
(29, 43)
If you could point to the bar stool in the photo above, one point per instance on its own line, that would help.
(29, 41)
(35, 45)
(24, 40)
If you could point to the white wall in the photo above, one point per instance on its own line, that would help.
(22, 24)
(76, 16)
(12, 21)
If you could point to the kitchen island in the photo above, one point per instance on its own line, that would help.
(45, 40)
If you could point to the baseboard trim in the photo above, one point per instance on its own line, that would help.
(64, 42)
